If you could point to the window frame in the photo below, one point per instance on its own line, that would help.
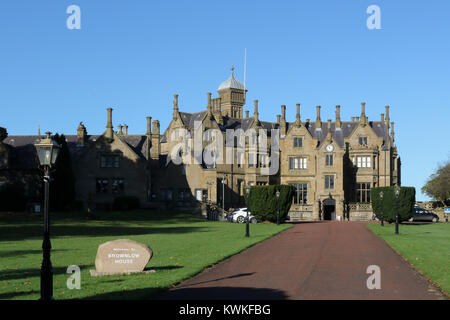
(298, 163)
(300, 193)
(296, 141)
(329, 160)
(329, 182)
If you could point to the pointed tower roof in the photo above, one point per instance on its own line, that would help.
(231, 83)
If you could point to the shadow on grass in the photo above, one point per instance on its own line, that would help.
(14, 233)
(161, 268)
(17, 253)
(10, 295)
(136, 216)
(12, 274)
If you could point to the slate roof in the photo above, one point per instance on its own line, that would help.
(338, 135)
(23, 152)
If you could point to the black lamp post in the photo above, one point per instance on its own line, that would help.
(47, 151)
(397, 193)
(247, 226)
(382, 208)
(278, 205)
(223, 193)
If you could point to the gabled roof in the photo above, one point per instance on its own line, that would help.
(338, 134)
(23, 152)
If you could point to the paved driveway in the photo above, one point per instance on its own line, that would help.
(314, 260)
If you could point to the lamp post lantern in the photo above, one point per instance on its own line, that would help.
(397, 193)
(278, 205)
(47, 151)
(247, 226)
(382, 208)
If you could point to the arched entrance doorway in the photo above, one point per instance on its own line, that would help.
(329, 209)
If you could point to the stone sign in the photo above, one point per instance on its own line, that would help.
(121, 256)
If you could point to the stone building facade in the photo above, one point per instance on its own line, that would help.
(332, 164)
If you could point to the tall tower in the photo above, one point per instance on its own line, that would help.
(232, 96)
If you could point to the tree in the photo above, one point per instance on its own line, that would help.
(387, 207)
(62, 186)
(262, 201)
(438, 185)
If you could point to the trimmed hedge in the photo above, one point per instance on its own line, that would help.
(126, 203)
(263, 203)
(387, 207)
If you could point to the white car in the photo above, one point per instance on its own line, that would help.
(241, 214)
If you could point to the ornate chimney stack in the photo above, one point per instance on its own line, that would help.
(176, 113)
(120, 132)
(338, 117)
(125, 130)
(363, 114)
(148, 137)
(318, 121)
(109, 127)
(387, 119)
(81, 134)
(278, 118)
(156, 145)
(256, 114)
(149, 126)
(382, 117)
(297, 117)
(209, 106)
(283, 120)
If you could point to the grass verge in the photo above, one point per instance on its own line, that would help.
(182, 245)
(426, 247)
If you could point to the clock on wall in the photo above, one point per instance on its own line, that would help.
(329, 148)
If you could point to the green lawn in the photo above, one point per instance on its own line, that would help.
(426, 247)
(182, 245)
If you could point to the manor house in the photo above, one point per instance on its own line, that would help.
(332, 164)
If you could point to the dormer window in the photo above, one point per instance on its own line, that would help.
(208, 135)
(363, 141)
(298, 142)
(109, 161)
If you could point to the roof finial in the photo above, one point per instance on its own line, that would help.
(232, 70)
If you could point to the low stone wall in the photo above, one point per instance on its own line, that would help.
(360, 211)
(301, 213)
(301, 216)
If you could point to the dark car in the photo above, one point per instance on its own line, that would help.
(423, 215)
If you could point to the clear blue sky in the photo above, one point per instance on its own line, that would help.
(134, 55)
